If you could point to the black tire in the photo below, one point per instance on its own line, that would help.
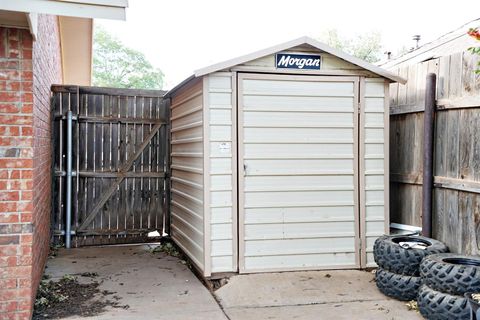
(390, 256)
(397, 286)
(435, 305)
(451, 273)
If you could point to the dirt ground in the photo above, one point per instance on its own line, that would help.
(67, 296)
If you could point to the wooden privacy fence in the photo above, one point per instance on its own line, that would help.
(456, 213)
(119, 163)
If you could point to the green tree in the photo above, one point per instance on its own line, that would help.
(115, 65)
(366, 46)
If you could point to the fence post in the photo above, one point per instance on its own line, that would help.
(68, 204)
(428, 138)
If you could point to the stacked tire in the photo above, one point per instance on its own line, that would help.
(446, 278)
(398, 275)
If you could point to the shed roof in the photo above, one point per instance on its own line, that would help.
(455, 41)
(287, 45)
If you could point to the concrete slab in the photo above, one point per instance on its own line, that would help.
(339, 294)
(154, 286)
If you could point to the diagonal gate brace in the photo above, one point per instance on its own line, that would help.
(121, 175)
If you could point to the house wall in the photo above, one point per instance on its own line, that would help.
(27, 69)
(47, 70)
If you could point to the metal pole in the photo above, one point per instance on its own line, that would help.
(68, 222)
(428, 136)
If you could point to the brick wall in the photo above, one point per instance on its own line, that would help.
(46, 71)
(26, 72)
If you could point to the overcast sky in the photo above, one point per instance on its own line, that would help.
(180, 36)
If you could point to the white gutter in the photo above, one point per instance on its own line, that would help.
(95, 9)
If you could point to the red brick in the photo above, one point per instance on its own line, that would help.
(15, 174)
(26, 217)
(9, 108)
(8, 251)
(8, 206)
(6, 96)
(26, 195)
(9, 240)
(27, 174)
(24, 283)
(13, 34)
(9, 306)
(16, 119)
(16, 272)
(3, 47)
(4, 174)
(25, 82)
(16, 141)
(26, 41)
(27, 54)
(26, 131)
(24, 260)
(16, 163)
(26, 75)
(9, 196)
(9, 218)
(13, 86)
(27, 65)
(26, 97)
(8, 283)
(26, 250)
(9, 65)
(10, 131)
(8, 261)
(24, 315)
(26, 238)
(25, 206)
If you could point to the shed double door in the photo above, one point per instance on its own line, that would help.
(298, 172)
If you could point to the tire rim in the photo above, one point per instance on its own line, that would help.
(462, 261)
(411, 243)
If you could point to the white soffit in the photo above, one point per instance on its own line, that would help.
(76, 36)
(96, 9)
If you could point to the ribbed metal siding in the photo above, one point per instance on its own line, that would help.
(222, 148)
(187, 203)
(297, 142)
(374, 164)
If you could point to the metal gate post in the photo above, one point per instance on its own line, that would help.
(68, 204)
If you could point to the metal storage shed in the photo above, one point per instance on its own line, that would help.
(279, 161)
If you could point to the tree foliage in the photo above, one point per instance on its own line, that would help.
(115, 65)
(475, 34)
(367, 47)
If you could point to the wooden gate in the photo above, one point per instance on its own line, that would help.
(119, 147)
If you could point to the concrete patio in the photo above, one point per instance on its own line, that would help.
(335, 294)
(158, 286)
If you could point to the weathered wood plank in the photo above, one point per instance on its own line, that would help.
(108, 193)
(452, 221)
(109, 127)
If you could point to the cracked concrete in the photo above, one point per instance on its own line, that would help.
(339, 294)
(158, 286)
(153, 285)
